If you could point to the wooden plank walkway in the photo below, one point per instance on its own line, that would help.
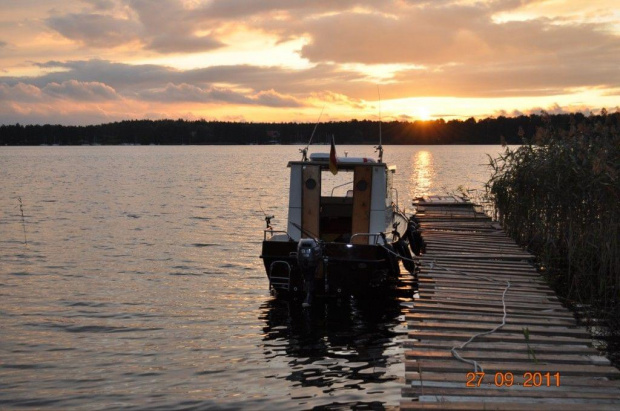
(464, 274)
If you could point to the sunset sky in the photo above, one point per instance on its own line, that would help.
(96, 61)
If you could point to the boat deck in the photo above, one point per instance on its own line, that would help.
(540, 359)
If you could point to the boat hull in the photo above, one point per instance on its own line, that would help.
(344, 269)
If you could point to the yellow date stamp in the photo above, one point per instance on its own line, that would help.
(508, 379)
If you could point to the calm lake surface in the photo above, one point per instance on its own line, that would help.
(140, 284)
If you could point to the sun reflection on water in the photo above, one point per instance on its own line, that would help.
(422, 174)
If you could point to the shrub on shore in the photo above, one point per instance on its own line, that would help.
(560, 196)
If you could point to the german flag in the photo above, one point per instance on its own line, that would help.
(333, 160)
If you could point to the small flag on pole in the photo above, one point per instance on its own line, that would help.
(333, 160)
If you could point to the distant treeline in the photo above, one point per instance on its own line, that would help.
(510, 130)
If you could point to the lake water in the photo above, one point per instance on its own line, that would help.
(133, 281)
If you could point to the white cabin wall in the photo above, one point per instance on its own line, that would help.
(294, 202)
(378, 201)
(390, 184)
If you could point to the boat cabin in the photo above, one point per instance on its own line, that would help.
(352, 212)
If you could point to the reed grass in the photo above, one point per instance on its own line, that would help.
(21, 210)
(559, 195)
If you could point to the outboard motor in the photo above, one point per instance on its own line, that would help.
(309, 256)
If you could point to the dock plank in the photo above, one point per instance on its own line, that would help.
(422, 353)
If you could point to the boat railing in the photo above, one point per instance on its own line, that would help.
(272, 232)
(394, 189)
(280, 281)
(341, 185)
(375, 235)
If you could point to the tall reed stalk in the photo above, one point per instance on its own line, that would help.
(21, 210)
(560, 196)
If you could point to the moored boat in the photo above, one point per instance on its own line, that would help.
(339, 243)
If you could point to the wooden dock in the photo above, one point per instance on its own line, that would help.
(539, 360)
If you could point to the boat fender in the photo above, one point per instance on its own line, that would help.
(402, 249)
(416, 242)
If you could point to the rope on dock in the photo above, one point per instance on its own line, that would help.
(455, 354)
(453, 350)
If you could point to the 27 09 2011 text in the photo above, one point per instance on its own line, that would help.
(508, 379)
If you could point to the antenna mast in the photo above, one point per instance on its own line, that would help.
(379, 148)
(304, 151)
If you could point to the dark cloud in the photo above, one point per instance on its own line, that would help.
(132, 79)
(20, 93)
(174, 93)
(122, 77)
(270, 98)
(101, 5)
(237, 9)
(169, 27)
(68, 90)
(190, 93)
(436, 35)
(540, 78)
(96, 30)
(165, 26)
(322, 77)
(79, 91)
(95, 80)
(185, 44)
(3, 44)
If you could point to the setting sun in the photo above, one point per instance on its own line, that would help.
(423, 113)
